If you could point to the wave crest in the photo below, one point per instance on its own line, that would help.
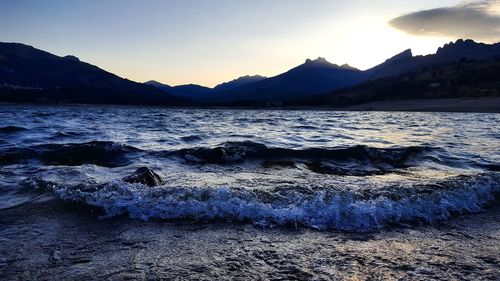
(102, 153)
(326, 209)
(12, 129)
(356, 160)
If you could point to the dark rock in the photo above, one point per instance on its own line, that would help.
(145, 176)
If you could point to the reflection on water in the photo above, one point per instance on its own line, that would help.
(343, 170)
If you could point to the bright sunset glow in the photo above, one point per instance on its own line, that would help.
(209, 42)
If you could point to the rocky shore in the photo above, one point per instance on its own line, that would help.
(50, 240)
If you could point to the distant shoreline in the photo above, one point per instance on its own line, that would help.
(464, 105)
(472, 105)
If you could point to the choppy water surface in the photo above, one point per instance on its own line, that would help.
(354, 171)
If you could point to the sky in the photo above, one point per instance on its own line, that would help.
(208, 42)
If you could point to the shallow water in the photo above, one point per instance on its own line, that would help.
(353, 171)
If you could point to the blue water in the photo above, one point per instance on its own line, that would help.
(354, 171)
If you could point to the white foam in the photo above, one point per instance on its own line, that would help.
(324, 210)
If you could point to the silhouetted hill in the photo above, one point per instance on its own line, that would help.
(159, 85)
(194, 91)
(313, 77)
(236, 83)
(397, 64)
(190, 91)
(467, 49)
(31, 75)
(451, 52)
(462, 79)
(316, 77)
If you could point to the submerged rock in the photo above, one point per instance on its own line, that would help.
(145, 176)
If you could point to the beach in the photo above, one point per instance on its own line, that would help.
(49, 240)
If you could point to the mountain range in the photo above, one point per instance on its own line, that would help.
(31, 75)
(317, 77)
(197, 92)
(465, 78)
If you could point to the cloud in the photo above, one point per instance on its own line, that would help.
(479, 20)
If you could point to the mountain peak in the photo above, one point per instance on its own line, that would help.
(71, 58)
(468, 49)
(156, 83)
(459, 44)
(233, 84)
(250, 77)
(319, 60)
(347, 66)
(406, 54)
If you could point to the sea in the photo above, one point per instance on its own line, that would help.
(322, 170)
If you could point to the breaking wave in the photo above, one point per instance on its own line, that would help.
(357, 160)
(326, 209)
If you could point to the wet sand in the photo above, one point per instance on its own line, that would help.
(49, 240)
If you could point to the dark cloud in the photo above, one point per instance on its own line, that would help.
(478, 20)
